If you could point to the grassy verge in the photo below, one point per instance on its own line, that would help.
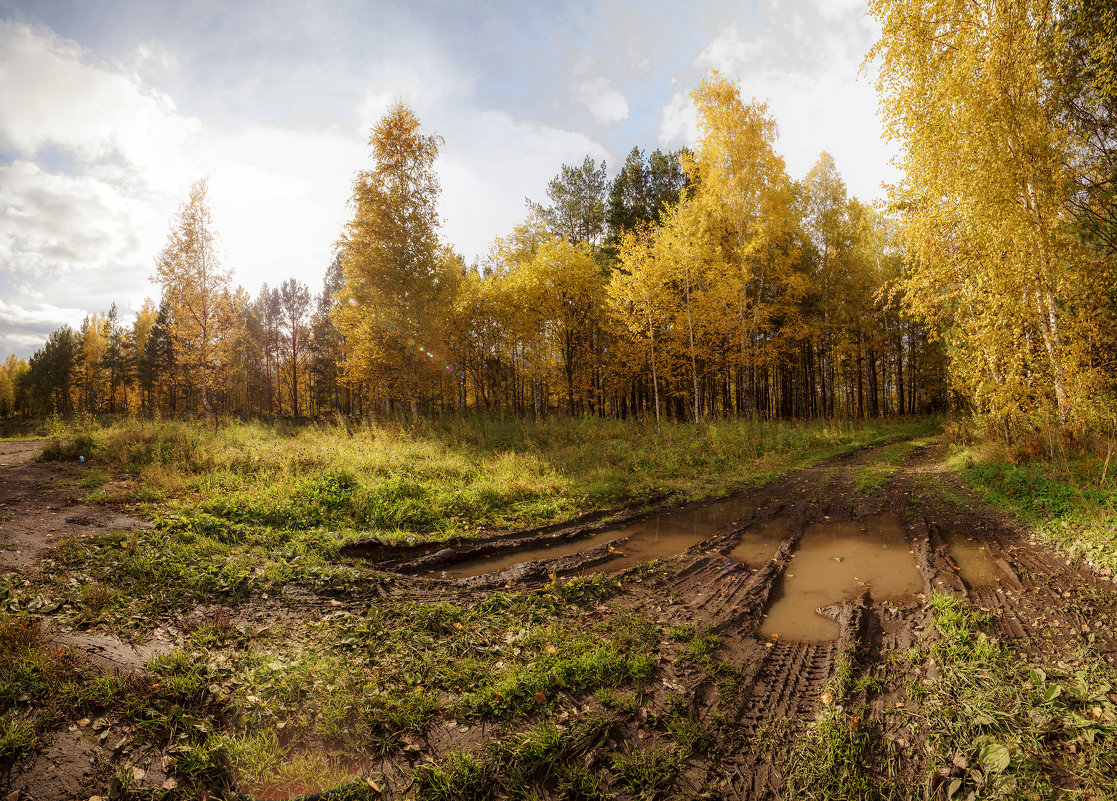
(999, 726)
(874, 475)
(447, 477)
(1070, 503)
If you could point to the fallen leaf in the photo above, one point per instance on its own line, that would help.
(83, 722)
(551, 649)
(540, 698)
(457, 625)
(827, 698)
(333, 602)
(171, 783)
(138, 774)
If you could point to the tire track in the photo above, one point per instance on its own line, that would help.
(788, 682)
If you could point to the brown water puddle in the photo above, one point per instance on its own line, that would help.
(834, 562)
(759, 543)
(976, 566)
(655, 537)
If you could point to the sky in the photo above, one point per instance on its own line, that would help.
(111, 109)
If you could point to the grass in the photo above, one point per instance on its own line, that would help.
(874, 475)
(512, 766)
(1070, 502)
(838, 758)
(246, 513)
(1011, 728)
(448, 478)
(44, 685)
(312, 697)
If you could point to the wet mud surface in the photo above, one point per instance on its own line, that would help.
(808, 574)
(793, 580)
(41, 505)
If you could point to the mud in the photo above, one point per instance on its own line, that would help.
(41, 505)
(835, 562)
(855, 571)
(877, 558)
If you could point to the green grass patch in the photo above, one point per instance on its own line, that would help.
(838, 758)
(1013, 729)
(451, 476)
(374, 682)
(519, 764)
(1069, 503)
(872, 477)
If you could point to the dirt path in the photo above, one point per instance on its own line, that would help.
(754, 690)
(41, 505)
(1039, 604)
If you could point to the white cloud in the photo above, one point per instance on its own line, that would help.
(52, 223)
(678, 121)
(729, 53)
(41, 313)
(813, 88)
(490, 164)
(835, 9)
(53, 96)
(604, 100)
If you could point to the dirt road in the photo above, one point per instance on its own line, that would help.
(765, 671)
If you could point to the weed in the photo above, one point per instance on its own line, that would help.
(837, 758)
(647, 772)
(17, 736)
(1068, 501)
(540, 756)
(1020, 728)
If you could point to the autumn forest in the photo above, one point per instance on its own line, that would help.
(694, 284)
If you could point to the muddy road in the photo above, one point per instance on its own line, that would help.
(794, 581)
(805, 594)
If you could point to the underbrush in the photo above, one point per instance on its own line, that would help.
(324, 699)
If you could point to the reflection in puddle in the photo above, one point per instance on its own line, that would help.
(759, 543)
(655, 537)
(975, 564)
(834, 562)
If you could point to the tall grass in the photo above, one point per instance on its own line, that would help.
(1067, 494)
(449, 476)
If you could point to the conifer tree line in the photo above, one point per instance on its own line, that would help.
(692, 285)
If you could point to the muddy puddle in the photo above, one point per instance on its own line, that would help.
(657, 536)
(835, 562)
(759, 543)
(976, 566)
